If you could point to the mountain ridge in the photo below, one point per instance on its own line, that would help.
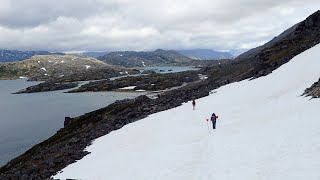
(16, 55)
(205, 54)
(158, 57)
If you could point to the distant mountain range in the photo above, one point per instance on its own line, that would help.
(93, 54)
(134, 58)
(139, 59)
(205, 54)
(15, 55)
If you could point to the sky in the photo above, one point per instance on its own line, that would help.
(110, 25)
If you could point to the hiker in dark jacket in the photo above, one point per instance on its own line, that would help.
(193, 104)
(214, 120)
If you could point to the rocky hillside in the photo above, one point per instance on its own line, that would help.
(60, 68)
(14, 55)
(139, 59)
(205, 54)
(263, 60)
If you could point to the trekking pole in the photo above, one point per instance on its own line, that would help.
(208, 126)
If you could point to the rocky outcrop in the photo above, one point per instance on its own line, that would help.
(313, 91)
(153, 82)
(47, 86)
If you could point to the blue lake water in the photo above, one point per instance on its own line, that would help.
(28, 119)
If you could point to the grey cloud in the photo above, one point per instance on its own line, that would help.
(145, 25)
(30, 13)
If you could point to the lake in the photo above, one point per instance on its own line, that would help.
(28, 119)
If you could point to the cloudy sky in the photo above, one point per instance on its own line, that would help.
(105, 25)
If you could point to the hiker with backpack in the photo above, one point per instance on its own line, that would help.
(214, 118)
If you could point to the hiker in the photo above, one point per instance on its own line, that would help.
(193, 104)
(214, 120)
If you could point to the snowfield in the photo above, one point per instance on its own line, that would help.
(266, 130)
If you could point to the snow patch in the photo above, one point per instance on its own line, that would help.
(129, 87)
(140, 90)
(87, 66)
(22, 77)
(43, 69)
(202, 77)
(62, 61)
(143, 64)
(126, 72)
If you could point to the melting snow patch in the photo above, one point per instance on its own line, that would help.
(39, 62)
(87, 66)
(140, 90)
(62, 61)
(22, 77)
(143, 64)
(127, 72)
(129, 87)
(43, 69)
(46, 74)
(202, 76)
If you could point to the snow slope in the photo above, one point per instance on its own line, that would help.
(266, 131)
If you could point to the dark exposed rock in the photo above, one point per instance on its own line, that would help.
(47, 86)
(314, 90)
(151, 82)
(148, 72)
(67, 121)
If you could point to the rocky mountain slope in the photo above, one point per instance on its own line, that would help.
(205, 54)
(15, 55)
(60, 68)
(263, 60)
(139, 59)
